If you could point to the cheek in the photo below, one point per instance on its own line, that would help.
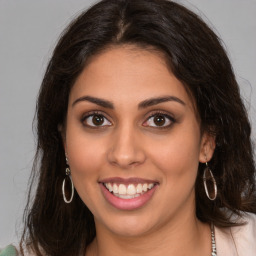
(86, 160)
(86, 156)
(178, 156)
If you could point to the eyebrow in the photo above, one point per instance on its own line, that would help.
(97, 101)
(144, 104)
(154, 101)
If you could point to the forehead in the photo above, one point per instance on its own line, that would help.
(127, 74)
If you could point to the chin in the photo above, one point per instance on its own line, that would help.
(130, 226)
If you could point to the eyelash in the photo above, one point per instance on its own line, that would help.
(91, 114)
(166, 116)
(154, 114)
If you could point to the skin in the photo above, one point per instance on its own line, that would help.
(130, 144)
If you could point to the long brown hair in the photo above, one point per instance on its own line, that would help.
(196, 57)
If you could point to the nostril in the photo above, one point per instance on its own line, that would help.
(125, 157)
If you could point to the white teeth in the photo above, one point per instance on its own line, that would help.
(122, 189)
(128, 191)
(115, 188)
(139, 188)
(151, 185)
(109, 187)
(131, 190)
(127, 196)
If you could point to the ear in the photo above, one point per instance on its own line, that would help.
(207, 147)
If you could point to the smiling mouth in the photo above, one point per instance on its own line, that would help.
(128, 194)
(128, 191)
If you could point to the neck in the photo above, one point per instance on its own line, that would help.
(187, 237)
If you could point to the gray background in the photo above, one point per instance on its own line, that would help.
(28, 32)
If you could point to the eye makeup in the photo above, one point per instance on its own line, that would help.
(95, 120)
(157, 119)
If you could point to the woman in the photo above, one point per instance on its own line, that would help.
(139, 115)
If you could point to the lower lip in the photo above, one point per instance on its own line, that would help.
(127, 204)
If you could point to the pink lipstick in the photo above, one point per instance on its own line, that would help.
(128, 194)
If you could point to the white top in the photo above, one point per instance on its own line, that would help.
(237, 241)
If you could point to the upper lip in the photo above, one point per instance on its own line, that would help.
(131, 180)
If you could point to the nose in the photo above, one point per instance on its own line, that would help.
(126, 148)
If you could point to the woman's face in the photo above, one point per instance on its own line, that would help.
(133, 142)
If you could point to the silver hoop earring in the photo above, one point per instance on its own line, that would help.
(210, 184)
(63, 187)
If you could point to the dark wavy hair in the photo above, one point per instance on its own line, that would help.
(196, 57)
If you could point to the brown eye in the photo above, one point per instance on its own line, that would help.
(95, 120)
(159, 120)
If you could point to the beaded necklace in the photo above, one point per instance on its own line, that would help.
(214, 251)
